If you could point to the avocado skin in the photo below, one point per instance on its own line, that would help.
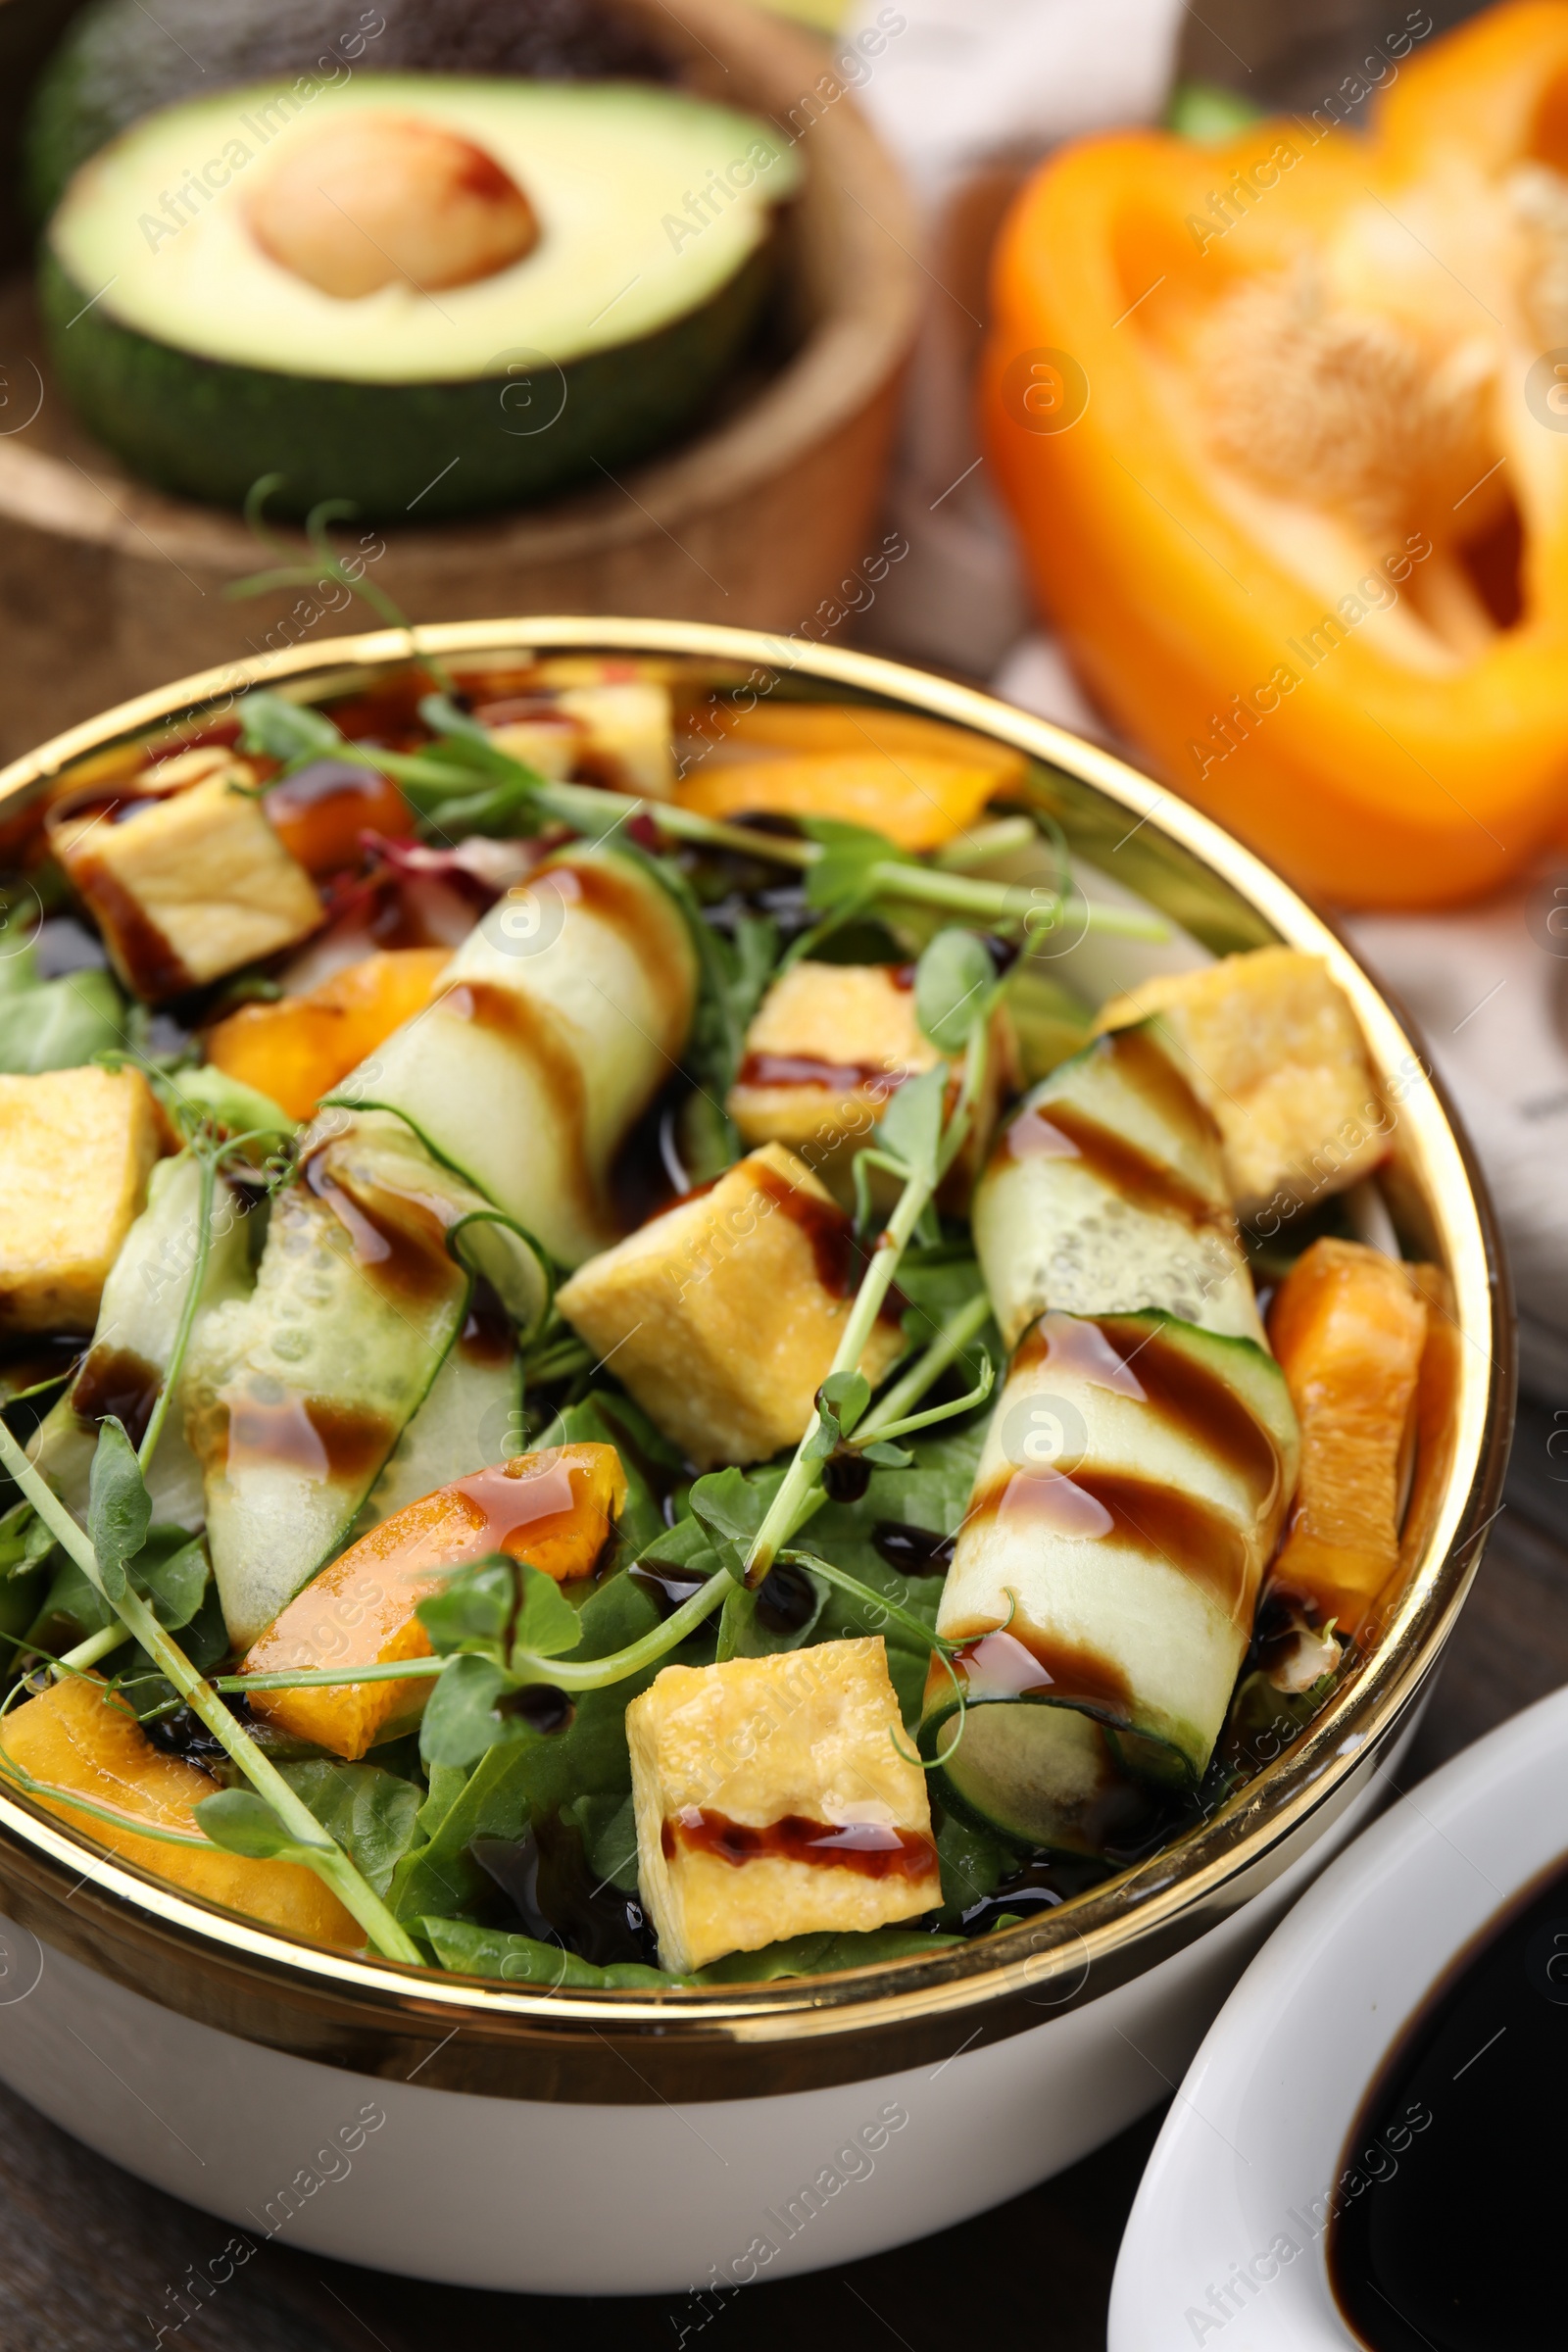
(208, 429)
(111, 68)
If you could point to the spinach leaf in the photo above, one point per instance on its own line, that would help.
(536, 1773)
(975, 1864)
(59, 1024)
(171, 1570)
(520, 1960)
(607, 1827)
(731, 1507)
(820, 1955)
(369, 1811)
(933, 1494)
(472, 1951)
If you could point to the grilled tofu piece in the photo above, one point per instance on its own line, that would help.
(828, 1047)
(771, 1801)
(723, 1316)
(76, 1148)
(1269, 1044)
(189, 885)
(628, 734)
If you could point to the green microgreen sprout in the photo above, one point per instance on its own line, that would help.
(292, 570)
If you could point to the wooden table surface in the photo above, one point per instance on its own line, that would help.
(86, 2252)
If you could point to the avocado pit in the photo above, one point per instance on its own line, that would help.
(375, 198)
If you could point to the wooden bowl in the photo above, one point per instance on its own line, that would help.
(107, 585)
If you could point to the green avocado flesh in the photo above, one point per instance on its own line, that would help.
(205, 364)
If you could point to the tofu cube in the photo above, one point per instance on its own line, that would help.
(770, 1801)
(190, 884)
(629, 731)
(723, 1316)
(547, 743)
(1269, 1043)
(75, 1150)
(826, 1048)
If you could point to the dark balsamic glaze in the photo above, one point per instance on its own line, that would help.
(912, 1550)
(31, 1357)
(1448, 2200)
(846, 1475)
(875, 1849)
(643, 1174)
(548, 1889)
(1182, 1529)
(315, 1434)
(541, 1706)
(1027, 1664)
(116, 1380)
(786, 1600)
(183, 1734)
(667, 1588)
(487, 1336)
(1038, 1886)
(1059, 1131)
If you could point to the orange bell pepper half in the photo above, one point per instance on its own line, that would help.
(1284, 425)
(554, 1510)
(298, 1049)
(1348, 1327)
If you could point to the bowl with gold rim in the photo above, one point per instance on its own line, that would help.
(1050, 1735)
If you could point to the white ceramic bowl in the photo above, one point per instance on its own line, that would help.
(1254, 2145)
(592, 2142)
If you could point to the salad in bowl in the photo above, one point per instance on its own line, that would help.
(654, 1343)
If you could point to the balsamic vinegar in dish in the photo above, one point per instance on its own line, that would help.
(1449, 2195)
(613, 1380)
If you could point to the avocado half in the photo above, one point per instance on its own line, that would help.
(205, 364)
(107, 71)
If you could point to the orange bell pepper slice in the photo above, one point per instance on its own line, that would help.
(319, 814)
(554, 1510)
(1292, 482)
(914, 779)
(298, 1049)
(75, 1735)
(1348, 1327)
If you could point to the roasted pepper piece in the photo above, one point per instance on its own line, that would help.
(74, 1735)
(319, 814)
(1287, 471)
(914, 779)
(552, 1509)
(1348, 1327)
(298, 1049)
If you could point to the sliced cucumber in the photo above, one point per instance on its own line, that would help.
(297, 1396)
(472, 1417)
(1132, 1483)
(494, 1246)
(1105, 1194)
(557, 1020)
(138, 1321)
